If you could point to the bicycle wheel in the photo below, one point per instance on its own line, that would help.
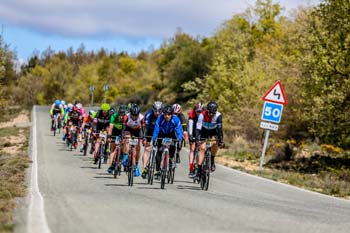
(100, 155)
(117, 166)
(131, 168)
(152, 166)
(162, 179)
(207, 171)
(85, 147)
(172, 178)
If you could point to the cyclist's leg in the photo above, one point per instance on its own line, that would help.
(191, 158)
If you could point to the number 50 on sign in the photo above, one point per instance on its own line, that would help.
(272, 112)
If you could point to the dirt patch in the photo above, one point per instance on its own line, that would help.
(231, 162)
(14, 143)
(21, 118)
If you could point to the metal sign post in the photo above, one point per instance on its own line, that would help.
(105, 88)
(272, 112)
(92, 89)
(267, 134)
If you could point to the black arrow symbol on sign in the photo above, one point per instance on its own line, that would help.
(275, 93)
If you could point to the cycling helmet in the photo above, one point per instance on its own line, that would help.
(91, 112)
(157, 106)
(112, 110)
(63, 102)
(177, 108)
(57, 103)
(75, 108)
(199, 107)
(135, 110)
(212, 107)
(105, 107)
(168, 109)
(122, 110)
(79, 105)
(76, 102)
(70, 106)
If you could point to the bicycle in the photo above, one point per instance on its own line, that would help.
(56, 124)
(167, 165)
(204, 176)
(70, 140)
(151, 165)
(101, 153)
(86, 135)
(117, 158)
(133, 142)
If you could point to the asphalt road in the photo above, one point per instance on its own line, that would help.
(78, 197)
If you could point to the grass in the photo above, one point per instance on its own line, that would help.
(12, 172)
(307, 167)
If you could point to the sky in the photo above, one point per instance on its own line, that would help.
(116, 25)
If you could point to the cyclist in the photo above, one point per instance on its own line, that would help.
(75, 117)
(115, 129)
(167, 125)
(178, 112)
(151, 117)
(102, 123)
(192, 121)
(209, 125)
(80, 107)
(65, 119)
(56, 109)
(133, 126)
(87, 124)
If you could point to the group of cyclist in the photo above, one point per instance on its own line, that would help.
(162, 121)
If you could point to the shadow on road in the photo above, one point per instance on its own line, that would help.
(188, 187)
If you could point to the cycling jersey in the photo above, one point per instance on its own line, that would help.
(117, 123)
(150, 120)
(75, 117)
(136, 127)
(182, 118)
(102, 121)
(209, 126)
(57, 109)
(165, 128)
(192, 121)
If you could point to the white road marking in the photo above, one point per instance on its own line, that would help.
(36, 214)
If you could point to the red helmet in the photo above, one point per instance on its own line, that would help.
(75, 108)
(177, 108)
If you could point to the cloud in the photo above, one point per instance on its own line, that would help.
(113, 17)
(137, 18)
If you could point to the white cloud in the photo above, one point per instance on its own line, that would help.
(137, 18)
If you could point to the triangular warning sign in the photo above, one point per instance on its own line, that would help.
(275, 94)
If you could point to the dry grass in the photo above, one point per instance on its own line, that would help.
(13, 162)
(305, 166)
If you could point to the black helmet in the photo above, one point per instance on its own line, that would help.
(122, 109)
(135, 110)
(112, 110)
(212, 107)
(157, 106)
(168, 109)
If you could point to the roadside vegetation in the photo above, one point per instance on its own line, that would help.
(13, 162)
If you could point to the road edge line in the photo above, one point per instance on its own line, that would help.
(36, 213)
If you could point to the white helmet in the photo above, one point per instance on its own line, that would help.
(177, 108)
(70, 106)
(63, 102)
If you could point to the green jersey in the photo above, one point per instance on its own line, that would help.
(116, 122)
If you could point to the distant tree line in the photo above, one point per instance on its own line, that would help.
(308, 51)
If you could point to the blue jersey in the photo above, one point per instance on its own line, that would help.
(167, 127)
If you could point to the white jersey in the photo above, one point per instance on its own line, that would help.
(135, 124)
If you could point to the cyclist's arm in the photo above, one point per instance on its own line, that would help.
(156, 130)
(199, 127)
(178, 130)
(219, 129)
